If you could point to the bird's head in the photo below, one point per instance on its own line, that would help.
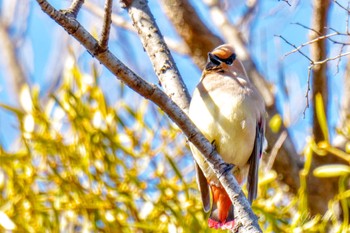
(224, 59)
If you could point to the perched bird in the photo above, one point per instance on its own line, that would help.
(230, 112)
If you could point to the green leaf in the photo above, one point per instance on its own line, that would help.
(275, 123)
(321, 116)
(333, 170)
(14, 110)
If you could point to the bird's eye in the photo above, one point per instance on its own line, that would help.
(230, 59)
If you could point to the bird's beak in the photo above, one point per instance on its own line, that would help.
(213, 62)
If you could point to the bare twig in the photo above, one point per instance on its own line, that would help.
(308, 89)
(296, 48)
(331, 58)
(339, 60)
(313, 63)
(156, 95)
(337, 33)
(318, 37)
(74, 8)
(118, 21)
(286, 1)
(341, 6)
(278, 144)
(106, 25)
(310, 42)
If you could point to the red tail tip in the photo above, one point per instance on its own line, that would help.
(219, 225)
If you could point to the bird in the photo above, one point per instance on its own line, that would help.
(229, 111)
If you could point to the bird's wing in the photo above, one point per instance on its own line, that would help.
(252, 183)
(203, 188)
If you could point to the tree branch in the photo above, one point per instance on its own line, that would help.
(106, 25)
(162, 61)
(118, 21)
(245, 217)
(74, 8)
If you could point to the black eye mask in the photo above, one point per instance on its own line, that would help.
(217, 61)
(214, 62)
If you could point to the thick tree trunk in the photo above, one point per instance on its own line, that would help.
(320, 190)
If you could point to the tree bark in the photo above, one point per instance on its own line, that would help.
(319, 53)
(158, 51)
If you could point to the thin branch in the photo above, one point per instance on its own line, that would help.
(329, 38)
(156, 95)
(331, 58)
(308, 89)
(339, 60)
(106, 25)
(116, 19)
(313, 63)
(310, 42)
(278, 144)
(317, 38)
(296, 48)
(341, 6)
(286, 1)
(74, 8)
(178, 47)
(158, 51)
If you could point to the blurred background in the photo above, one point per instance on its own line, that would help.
(81, 152)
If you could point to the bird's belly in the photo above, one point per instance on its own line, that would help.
(229, 122)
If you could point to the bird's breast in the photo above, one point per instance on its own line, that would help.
(226, 116)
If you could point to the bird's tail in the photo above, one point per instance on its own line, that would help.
(221, 216)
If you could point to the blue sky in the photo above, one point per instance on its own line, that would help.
(44, 48)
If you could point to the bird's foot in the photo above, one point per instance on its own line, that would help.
(213, 148)
(225, 168)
